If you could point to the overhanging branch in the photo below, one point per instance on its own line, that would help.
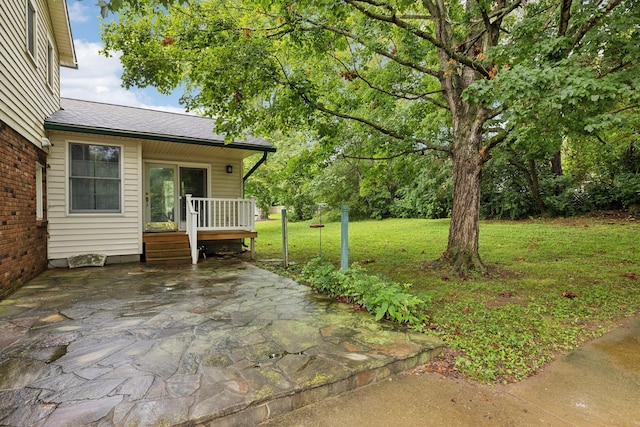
(449, 50)
(391, 157)
(379, 51)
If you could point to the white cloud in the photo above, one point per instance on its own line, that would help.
(98, 79)
(79, 12)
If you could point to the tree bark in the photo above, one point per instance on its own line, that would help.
(468, 152)
(556, 167)
(531, 176)
(556, 163)
(464, 229)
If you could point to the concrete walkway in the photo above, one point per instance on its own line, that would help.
(220, 343)
(596, 385)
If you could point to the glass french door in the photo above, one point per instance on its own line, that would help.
(166, 186)
(192, 181)
(160, 198)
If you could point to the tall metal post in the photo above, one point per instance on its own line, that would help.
(344, 240)
(285, 239)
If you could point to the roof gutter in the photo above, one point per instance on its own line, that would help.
(256, 166)
(155, 137)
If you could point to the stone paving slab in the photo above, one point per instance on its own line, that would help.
(223, 343)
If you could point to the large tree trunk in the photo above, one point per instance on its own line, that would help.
(468, 152)
(464, 230)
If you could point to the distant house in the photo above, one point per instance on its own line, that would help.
(80, 177)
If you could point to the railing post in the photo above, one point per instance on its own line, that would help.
(187, 210)
(252, 214)
(192, 229)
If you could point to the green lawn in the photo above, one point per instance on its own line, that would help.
(553, 283)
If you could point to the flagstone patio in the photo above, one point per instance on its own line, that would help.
(222, 342)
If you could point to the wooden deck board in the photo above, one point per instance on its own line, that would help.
(173, 236)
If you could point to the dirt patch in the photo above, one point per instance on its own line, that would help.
(599, 218)
(444, 364)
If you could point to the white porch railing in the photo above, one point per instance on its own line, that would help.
(217, 214)
(192, 230)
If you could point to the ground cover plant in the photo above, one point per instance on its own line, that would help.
(372, 292)
(552, 284)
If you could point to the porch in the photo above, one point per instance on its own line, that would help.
(207, 219)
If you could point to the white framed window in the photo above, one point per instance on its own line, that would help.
(95, 184)
(31, 29)
(49, 64)
(39, 192)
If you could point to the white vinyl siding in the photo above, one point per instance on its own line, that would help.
(26, 98)
(111, 234)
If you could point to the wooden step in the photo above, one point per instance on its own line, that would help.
(166, 245)
(176, 236)
(170, 260)
(167, 248)
(169, 253)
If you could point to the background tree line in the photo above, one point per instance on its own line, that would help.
(598, 173)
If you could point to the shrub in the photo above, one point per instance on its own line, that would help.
(378, 295)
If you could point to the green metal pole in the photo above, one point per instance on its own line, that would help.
(344, 241)
(285, 239)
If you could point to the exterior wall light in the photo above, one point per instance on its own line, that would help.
(229, 169)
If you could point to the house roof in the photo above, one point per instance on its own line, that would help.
(62, 32)
(140, 123)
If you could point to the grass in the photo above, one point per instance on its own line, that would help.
(553, 284)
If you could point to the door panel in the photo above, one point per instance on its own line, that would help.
(160, 198)
(192, 181)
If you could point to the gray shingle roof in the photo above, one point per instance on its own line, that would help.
(108, 119)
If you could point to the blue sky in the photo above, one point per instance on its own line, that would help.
(98, 78)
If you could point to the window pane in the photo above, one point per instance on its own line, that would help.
(95, 178)
(107, 194)
(49, 64)
(95, 161)
(31, 28)
(81, 196)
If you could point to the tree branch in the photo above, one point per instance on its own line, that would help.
(595, 20)
(384, 53)
(565, 17)
(369, 123)
(492, 143)
(449, 50)
(362, 120)
(407, 95)
(391, 157)
(501, 13)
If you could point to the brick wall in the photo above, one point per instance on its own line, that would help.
(23, 239)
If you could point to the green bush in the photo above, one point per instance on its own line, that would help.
(378, 295)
